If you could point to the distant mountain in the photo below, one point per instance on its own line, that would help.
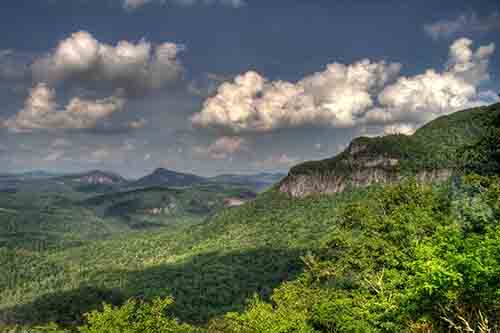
(38, 174)
(259, 182)
(95, 177)
(168, 178)
(429, 155)
(35, 174)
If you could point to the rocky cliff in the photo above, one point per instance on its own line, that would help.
(431, 154)
(300, 186)
(357, 166)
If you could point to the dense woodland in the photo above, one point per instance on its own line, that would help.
(406, 257)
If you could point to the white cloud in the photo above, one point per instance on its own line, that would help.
(336, 97)
(127, 65)
(406, 129)
(470, 66)
(134, 4)
(464, 23)
(412, 101)
(348, 96)
(41, 112)
(223, 147)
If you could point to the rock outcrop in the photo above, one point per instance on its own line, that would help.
(300, 186)
(356, 167)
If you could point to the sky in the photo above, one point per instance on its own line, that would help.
(231, 86)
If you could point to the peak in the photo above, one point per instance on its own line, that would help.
(165, 177)
(159, 170)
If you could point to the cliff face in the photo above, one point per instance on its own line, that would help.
(300, 186)
(356, 168)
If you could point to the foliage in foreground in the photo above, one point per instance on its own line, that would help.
(411, 258)
(135, 317)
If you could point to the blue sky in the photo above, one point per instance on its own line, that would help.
(230, 86)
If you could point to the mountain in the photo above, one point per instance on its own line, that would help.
(430, 154)
(259, 182)
(95, 177)
(35, 174)
(95, 181)
(169, 178)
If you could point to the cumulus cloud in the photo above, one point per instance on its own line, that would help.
(470, 66)
(131, 66)
(134, 4)
(347, 96)
(336, 96)
(41, 112)
(223, 147)
(412, 101)
(464, 23)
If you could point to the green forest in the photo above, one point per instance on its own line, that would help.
(404, 257)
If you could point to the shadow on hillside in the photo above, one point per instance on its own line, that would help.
(63, 307)
(205, 286)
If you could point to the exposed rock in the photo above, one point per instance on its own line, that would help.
(95, 179)
(300, 186)
(364, 172)
(162, 210)
(234, 202)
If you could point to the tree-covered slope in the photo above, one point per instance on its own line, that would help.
(155, 206)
